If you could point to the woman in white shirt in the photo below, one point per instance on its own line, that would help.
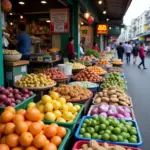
(81, 49)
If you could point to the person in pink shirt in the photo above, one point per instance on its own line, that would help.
(142, 56)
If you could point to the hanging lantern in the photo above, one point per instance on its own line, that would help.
(6, 6)
(87, 15)
(90, 19)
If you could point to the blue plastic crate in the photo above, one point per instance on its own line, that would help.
(77, 134)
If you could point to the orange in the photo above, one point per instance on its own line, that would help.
(41, 123)
(18, 118)
(2, 127)
(21, 111)
(3, 140)
(50, 146)
(54, 124)
(50, 131)
(26, 139)
(31, 148)
(6, 116)
(9, 128)
(12, 140)
(39, 141)
(56, 140)
(17, 148)
(33, 114)
(21, 127)
(4, 147)
(28, 122)
(61, 131)
(35, 128)
(47, 142)
(11, 109)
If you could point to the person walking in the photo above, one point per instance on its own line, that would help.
(129, 49)
(71, 54)
(135, 53)
(142, 56)
(120, 51)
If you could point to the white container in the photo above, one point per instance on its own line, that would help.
(65, 68)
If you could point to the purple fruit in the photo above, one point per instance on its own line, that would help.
(25, 91)
(18, 96)
(16, 91)
(10, 95)
(10, 89)
(30, 93)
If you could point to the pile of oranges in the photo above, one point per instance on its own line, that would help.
(97, 70)
(24, 130)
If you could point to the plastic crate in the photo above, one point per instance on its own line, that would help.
(22, 105)
(65, 140)
(77, 135)
(71, 125)
(78, 145)
(132, 112)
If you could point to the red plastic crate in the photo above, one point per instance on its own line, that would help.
(78, 145)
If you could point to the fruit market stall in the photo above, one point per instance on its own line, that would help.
(92, 111)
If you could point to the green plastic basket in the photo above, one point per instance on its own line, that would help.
(65, 140)
(22, 105)
(71, 125)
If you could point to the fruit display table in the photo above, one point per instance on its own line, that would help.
(14, 71)
(40, 65)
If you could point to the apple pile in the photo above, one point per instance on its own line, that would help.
(53, 73)
(12, 96)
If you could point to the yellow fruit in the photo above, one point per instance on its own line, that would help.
(60, 119)
(70, 105)
(48, 107)
(70, 121)
(46, 99)
(50, 116)
(41, 108)
(67, 116)
(78, 107)
(76, 114)
(65, 107)
(32, 104)
(57, 105)
(54, 95)
(57, 113)
(42, 116)
(74, 109)
(62, 100)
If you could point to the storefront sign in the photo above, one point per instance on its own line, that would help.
(146, 27)
(59, 20)
(148, 39)
(141, 38)
(102, 29)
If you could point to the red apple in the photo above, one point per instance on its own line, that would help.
(10, 95)
(18, 96)
(16, 91)
(10, 89)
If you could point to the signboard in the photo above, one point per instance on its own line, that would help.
(102, 29)
(141, 38)
(148, 39)
(59, 20)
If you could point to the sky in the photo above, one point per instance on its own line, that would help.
(136, 8)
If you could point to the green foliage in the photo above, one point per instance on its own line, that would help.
(94, 53)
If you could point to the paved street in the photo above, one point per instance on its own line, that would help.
(139, 90)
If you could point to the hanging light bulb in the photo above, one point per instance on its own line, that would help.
(104, 12)
(87, 15)
(82, 23)
(21, 17)
(109, 28)
(107, 19)
(11, 23)
(100, 2)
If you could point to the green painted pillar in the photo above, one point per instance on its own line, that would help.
(1, 54)
(96, 37)
(64, 41)
(75, 29)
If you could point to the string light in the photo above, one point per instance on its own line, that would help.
(100, 2)
(87, 15)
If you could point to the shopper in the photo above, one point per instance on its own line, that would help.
(135, 53)
(71, 54)
(22, 41)
(95, 47)
(142, 56)
(120, 51)
(129, 49)
(81, 49)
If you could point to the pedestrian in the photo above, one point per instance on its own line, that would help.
(135, 53)
(142, 56)
(120, 51)
(129, 49)
(81, 49)
(71, 54)
(95, 47)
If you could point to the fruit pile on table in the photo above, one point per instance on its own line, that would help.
(99, 119)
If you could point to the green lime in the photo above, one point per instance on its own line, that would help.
(102, 126)
(90, 130)
(82, 130)
(94, 136)
(116, 131)
(99, 137)
(108, 132)
(87, 135)
(96, 128)
(93, 123)
(133, 132)
(113, 138)
(120, 138)
(105, 136)
(84, 125)
(124, 135)
(110, 128)
(133, 140)
(124, 129)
